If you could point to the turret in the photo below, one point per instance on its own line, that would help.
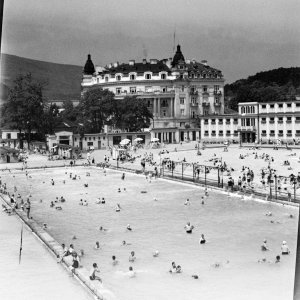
(89, 68)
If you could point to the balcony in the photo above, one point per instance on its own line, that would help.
(205, 93)
(263, 134)
(218, 93)
(194, 93)
(297, 121)
(217, 104)
(247, 128)
(280, 134)
(213, 134)
(271, 122)
(288, 121)
(289, 134)
(263, 122)
(272, 134)
(280, 121)
(195, 104)
(205, 104)
(228, 134)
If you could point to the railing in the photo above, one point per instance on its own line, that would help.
(217, 103)
(205, 104)
(194, 93)
(194, 104)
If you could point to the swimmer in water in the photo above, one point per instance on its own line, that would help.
(187, 202)
(97, 246)
(102, 228)
(173, 268)
(93, 273)
(188, 227)
(269, 214)
(284, 248)
(129, 227)
(124, 243)
(132, 258)
(131, 273)
(156, 253)
(202, 239)
(264, 246)
(118, 208)
(114, 261)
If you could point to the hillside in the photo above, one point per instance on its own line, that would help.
(270, 86)
(63, 80)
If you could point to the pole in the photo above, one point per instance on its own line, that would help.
(270, 186)
(193, 172)
(182, 171)
(218, 177)
(205, 176)
(295, 182)
(21, 244)
(275, 178)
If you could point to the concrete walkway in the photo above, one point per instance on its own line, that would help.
(38, 276)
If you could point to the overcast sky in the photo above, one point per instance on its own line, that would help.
(239, 37)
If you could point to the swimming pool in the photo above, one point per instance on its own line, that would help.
(234, 230)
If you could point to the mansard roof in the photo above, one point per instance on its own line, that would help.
(141, 67)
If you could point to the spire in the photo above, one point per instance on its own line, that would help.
(89, 68)
(177, 57)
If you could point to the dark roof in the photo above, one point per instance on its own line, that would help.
(138, 68)
(196, 67)
(89, 68)
(177, 57)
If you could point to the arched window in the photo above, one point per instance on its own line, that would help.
(132, 77)
(163, 76)
(106, 78)
(118, 77)
(148, 76)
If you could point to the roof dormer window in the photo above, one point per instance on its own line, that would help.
(132, 77)
(148, 76)
(106, 78)
(163, 76)
(118, 77)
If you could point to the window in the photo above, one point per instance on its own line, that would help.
(216, 89)
(132, 90)
(182, 88)
(263, 106)
(149, 104)
(97, 80)
(227, 132)
(271, 105)
(297, 119)
(272, 132)
(75, 139)
(94, 138)
(90, 138)
(280, 132)
(182, 112)
(148, 76)
(181, 100)
(263, 132)
(263, 120)
(8, 136)
(227, 121)
(297, 132)
(297, 104)
(164, 113)
(164, 89)
(106, 78)
(289, 105)
(280, 120)
(213, 132)
(220, 121)
(213, 121)
(90, 143)
(271, 120)
(235, 133)
(118, 91)
(235, 121)
(85, 138)
(280, 105)
(206, 121)
(289, 119)
(163, 76)
(193, 114)
(205, 112)
(206, 132)
(118, 77)
(220, 132)
(205, 88)
(132, 77)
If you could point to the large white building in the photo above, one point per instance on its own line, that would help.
(179, 91)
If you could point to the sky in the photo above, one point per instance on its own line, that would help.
(239, 37)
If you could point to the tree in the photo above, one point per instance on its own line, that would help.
(96, 109)
(24, 109)
(132, 114)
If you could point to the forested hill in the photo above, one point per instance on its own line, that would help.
(275, 85)
(63, 81)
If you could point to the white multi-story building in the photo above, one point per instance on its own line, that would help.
(178, 91)
(256, 122)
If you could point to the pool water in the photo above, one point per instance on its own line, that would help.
(234, 230)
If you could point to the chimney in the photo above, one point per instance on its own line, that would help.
(131, 62)
(153, 61)
(144, 61)
(116, 64)
(188, 61)
(204, 62)
(109, 65)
